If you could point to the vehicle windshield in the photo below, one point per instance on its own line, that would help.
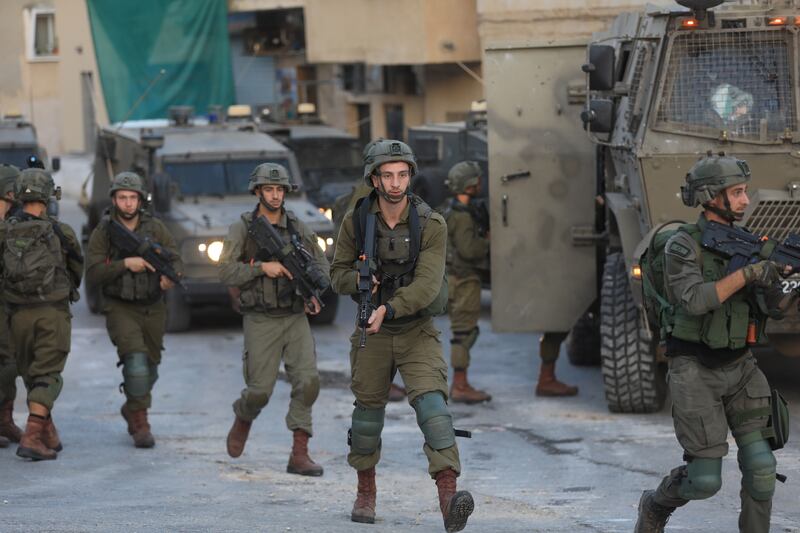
(328, 160)
(16, 156)
(215, 178)
(737, 82)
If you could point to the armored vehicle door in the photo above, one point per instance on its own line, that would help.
(542, 187)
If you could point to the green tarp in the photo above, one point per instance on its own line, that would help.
(135, 39)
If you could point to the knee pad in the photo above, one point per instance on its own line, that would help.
(153, 375)
(435, 421)
(255, 399)
(703, 479)
(366, 429)
(757, 464)
(310, 390)
(136, 374)
(467, 339)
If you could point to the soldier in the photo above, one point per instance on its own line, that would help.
(713, 377)
(134, 298)
(42, 266)
(467, 263)
(275, 322)
(411, 242)
(549, 347)
(9, 432)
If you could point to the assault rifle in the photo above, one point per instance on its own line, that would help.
(743, 247)
(310, 279)
(365, 272)
(132, 245)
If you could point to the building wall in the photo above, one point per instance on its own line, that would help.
(449, 91)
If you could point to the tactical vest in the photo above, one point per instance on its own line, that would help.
(34, 263)
(396, 253)
(265, 294)
(726, 326)
(140, 287)
(456, 264)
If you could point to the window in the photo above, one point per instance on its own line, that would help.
(41, 41)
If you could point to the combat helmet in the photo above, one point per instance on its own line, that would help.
(8, 176)
(462, 175)
(387, 151)
(128, 181)
(36, 185)
(711, 175)
(270, 174)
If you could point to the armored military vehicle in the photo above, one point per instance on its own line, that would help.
(573, 210)
(439, 146)
(18, 142)
(197, 172)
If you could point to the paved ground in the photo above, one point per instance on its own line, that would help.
(533, 464)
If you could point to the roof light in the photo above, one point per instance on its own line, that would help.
(636, 272)
(776, 21)
(478, 106)
(306, 108)
(689, 24)
(239, 111)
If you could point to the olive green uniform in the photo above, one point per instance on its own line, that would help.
(275, 325)
(8, 362)
(467, 263)
(714, 383)
(409, 342)
(134, 302)
(41, 330)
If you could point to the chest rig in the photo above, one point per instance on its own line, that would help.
(141, 287)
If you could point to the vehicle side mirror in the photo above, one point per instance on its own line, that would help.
(599, 118)
(600, 67)
(55, 163)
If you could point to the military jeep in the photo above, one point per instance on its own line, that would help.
(197, 172)
(18, 142)
(572, 210)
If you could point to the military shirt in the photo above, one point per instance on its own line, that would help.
(428, 272)
(683, 276)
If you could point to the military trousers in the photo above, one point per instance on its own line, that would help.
(416, 353)
(137, 328)
(550, 345)
(8, 361)
(706, 403)
(268, 340)
(41, 336)
(464, 308)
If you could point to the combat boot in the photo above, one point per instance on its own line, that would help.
(456, 506)
(299, 461)
(31, 445)
(138, 427)
(652, 516)
(364, 507)
(50, 435)
(237, 436)
(548, 384)
(396, 393)
(462, 391)
(8, 428)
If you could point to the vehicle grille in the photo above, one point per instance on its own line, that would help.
(774, 214)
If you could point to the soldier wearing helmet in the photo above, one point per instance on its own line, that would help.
(275, 323)
(42, 268)
(714, 380)
(467, 264)
(409, 287)
(8, 364)
(134, 297)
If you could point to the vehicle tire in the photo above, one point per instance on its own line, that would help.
(633, 379)
(583, 342)
(328, 313)
(179, 314)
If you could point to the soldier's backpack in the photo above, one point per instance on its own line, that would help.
(652, 262)
(34, 269)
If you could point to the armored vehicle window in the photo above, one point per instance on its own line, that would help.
(16, 156)
(738, 81)
(214, 178)
(328, 160)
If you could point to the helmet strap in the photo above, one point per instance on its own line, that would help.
(382, 192)
(727, 213)
(267, 205)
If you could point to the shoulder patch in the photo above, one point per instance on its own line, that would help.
(676, 248)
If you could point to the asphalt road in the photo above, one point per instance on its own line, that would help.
(532, 465)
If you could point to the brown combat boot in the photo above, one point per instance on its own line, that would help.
(548, 384)
(456, 506)
(653, 517)
(364, 506)
(396, 393)
(138, 427)
(299, 461)
(8, 428)
(462, 391)
(237, 436)
(50, 435)
(31, 445)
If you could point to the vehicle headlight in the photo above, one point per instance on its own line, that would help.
(327, 213)
(214, 250)
(322, 244)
